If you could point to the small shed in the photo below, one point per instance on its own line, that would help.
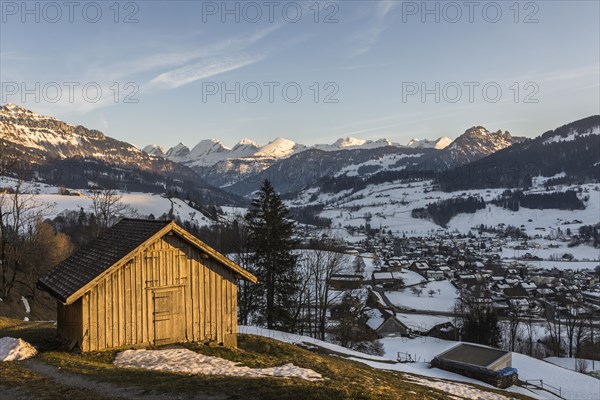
(145, 282)
(487, 364)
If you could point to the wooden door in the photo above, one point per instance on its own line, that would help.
(169, 322)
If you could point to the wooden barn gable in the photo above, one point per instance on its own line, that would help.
(145, 282)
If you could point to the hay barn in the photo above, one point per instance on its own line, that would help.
(145, 282)
(487, 364)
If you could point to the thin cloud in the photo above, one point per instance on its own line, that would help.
(202, 69)
(183, 66)
(384, 7)
(365, 39)
(217, 59)
(171, 59)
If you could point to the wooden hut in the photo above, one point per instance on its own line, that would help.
(145, 283)
(487, 364)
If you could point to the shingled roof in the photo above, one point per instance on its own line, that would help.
(467, 353)
(99, 255)
(87, 263)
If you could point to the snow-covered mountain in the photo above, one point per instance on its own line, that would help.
(572, 135)
(439, 144)
(154, 149)
(227, 165)
(570, 151)
(354, 143)
(43, 138)
(209, 152)
(476, 143)
(279, 148)
(72, 155)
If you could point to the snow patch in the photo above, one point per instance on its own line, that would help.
(26, 305)
(13, 349)
(187, 361)
(573, 134)
(456, 389)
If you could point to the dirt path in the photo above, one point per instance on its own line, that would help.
(15, 393)
(107, 389)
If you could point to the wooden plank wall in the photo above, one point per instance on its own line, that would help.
(119, 310)
(69, 321)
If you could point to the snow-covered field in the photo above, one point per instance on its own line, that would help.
(189, 362)
(390, 206)
(571, 363)
(385, 163)
(411, 278)
(574, 386)
(142, 204)
(547, 249)
(442, 300)
(564, 265)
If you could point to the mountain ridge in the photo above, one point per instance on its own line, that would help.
(276, 149)
(60, 153)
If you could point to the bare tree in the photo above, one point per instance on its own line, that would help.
(554, 327)
(573, 318)
(19, 212)
(107, 206)
(42, 249)
(514, 322)
(247, 291)
(359, 265)
(321, 264)
(581, 365)
(530, 332)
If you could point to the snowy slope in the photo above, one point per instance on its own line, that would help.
(388, 162)
(573, 135)
(143, 203)
(574, 385)
(571, 363)
(390, 204)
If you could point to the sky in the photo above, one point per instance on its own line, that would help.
(166, 72)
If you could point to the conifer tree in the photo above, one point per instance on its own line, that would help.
(270, 239)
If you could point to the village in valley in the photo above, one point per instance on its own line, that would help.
(419, 282)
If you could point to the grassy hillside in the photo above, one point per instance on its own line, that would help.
(345, 379)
